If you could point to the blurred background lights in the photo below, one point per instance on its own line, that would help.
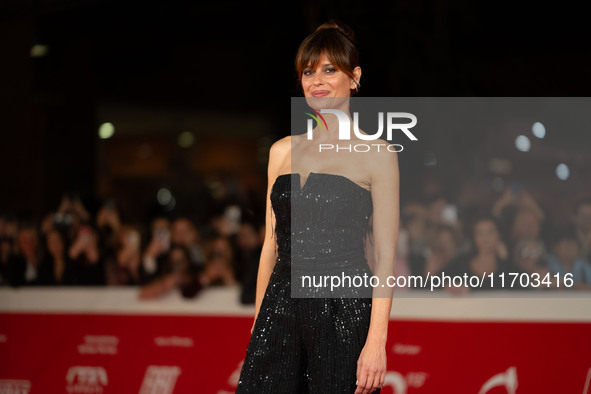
(498, 184)
(106, 130)
(499, 165)
(186, 139)
(164, 196)
(170, 206)
(538, 130)
(522, 143)
(562, 171)
(429, 159)
(144, 150)
(39, 50)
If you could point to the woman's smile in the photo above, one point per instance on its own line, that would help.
(320, 93)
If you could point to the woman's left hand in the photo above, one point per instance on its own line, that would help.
(371, 368)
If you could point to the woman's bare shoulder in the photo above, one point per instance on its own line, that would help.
(282, 143)
(281, 147)
(382, 158)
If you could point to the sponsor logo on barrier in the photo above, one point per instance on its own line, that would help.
(587, 382)
(235, 376)
(99, 344)
(400, 383)
(10, 386)
(160, 379)
(507, 379)
(233, 379)
(400, 348)
(83, 379)
(174, 341)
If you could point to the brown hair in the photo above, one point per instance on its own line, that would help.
(334, 39)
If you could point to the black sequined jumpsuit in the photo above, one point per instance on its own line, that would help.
(311, 344)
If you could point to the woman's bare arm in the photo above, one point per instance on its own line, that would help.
(372, 363)
(159, 287)
(279, 154)
(385, 186)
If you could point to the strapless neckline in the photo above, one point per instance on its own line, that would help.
(303, 187)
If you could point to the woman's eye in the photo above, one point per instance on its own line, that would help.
(330, 70)
(307, 73)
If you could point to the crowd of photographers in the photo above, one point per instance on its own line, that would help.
(71, 246)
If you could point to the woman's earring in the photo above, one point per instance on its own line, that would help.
(357, 85)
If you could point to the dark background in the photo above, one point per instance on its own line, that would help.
(157, 67)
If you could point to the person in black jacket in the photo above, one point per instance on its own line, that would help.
(56, 266)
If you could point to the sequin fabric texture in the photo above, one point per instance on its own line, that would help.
(307, 343)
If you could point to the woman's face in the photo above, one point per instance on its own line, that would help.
(178, 260)
(445, 245)
(327, 81)
(416, 229)
(526, 225)
(567, 250)
(55, 244)
(486, 236)
(27, 242)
